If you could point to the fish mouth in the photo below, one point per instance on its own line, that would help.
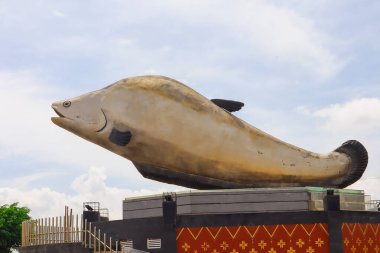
(58, 113)
(61, 116)
(63, 121)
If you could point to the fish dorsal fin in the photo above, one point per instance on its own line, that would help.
(229, 105)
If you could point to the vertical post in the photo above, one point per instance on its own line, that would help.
(76, 229)
(22, 234)
(111, 244)
(94, 239)
(81, 228)
(30, 233)
(89, 236)
(71, 225)
(99, 240)
(27, 233)
(85, 233)
(60, 229)
(73, 228)
(64, 225)
(67, 224)
(104, 243)
(52, 231)
(30, 238)
(40, 231)
(41, 235)
(48, 230)
(36, 231)
(334, 221)
(48, 224)
(117, 246)
(56, 229)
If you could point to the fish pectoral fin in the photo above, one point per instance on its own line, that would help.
(120, 138)
(228, 105)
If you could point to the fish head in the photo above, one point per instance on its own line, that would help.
(81, 115)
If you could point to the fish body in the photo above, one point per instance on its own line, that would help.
(175, 135)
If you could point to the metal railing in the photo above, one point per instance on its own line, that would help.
(95, 239)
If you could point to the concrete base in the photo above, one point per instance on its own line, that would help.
(242, 201)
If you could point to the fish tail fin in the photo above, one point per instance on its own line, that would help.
(359, 160)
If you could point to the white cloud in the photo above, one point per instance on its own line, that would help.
(290, 38)
(89, 186)
(360, 116)
(276, 34)
(24, 181)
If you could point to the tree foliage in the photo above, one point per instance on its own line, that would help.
(11, 218)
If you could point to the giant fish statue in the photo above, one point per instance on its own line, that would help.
(175, 135)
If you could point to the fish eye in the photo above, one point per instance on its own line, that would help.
(66, 104)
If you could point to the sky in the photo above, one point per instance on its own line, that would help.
(307, 71)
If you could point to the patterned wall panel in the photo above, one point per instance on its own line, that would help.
(361, 237)
(296, 238)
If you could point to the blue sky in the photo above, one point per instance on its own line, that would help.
(307, 71)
